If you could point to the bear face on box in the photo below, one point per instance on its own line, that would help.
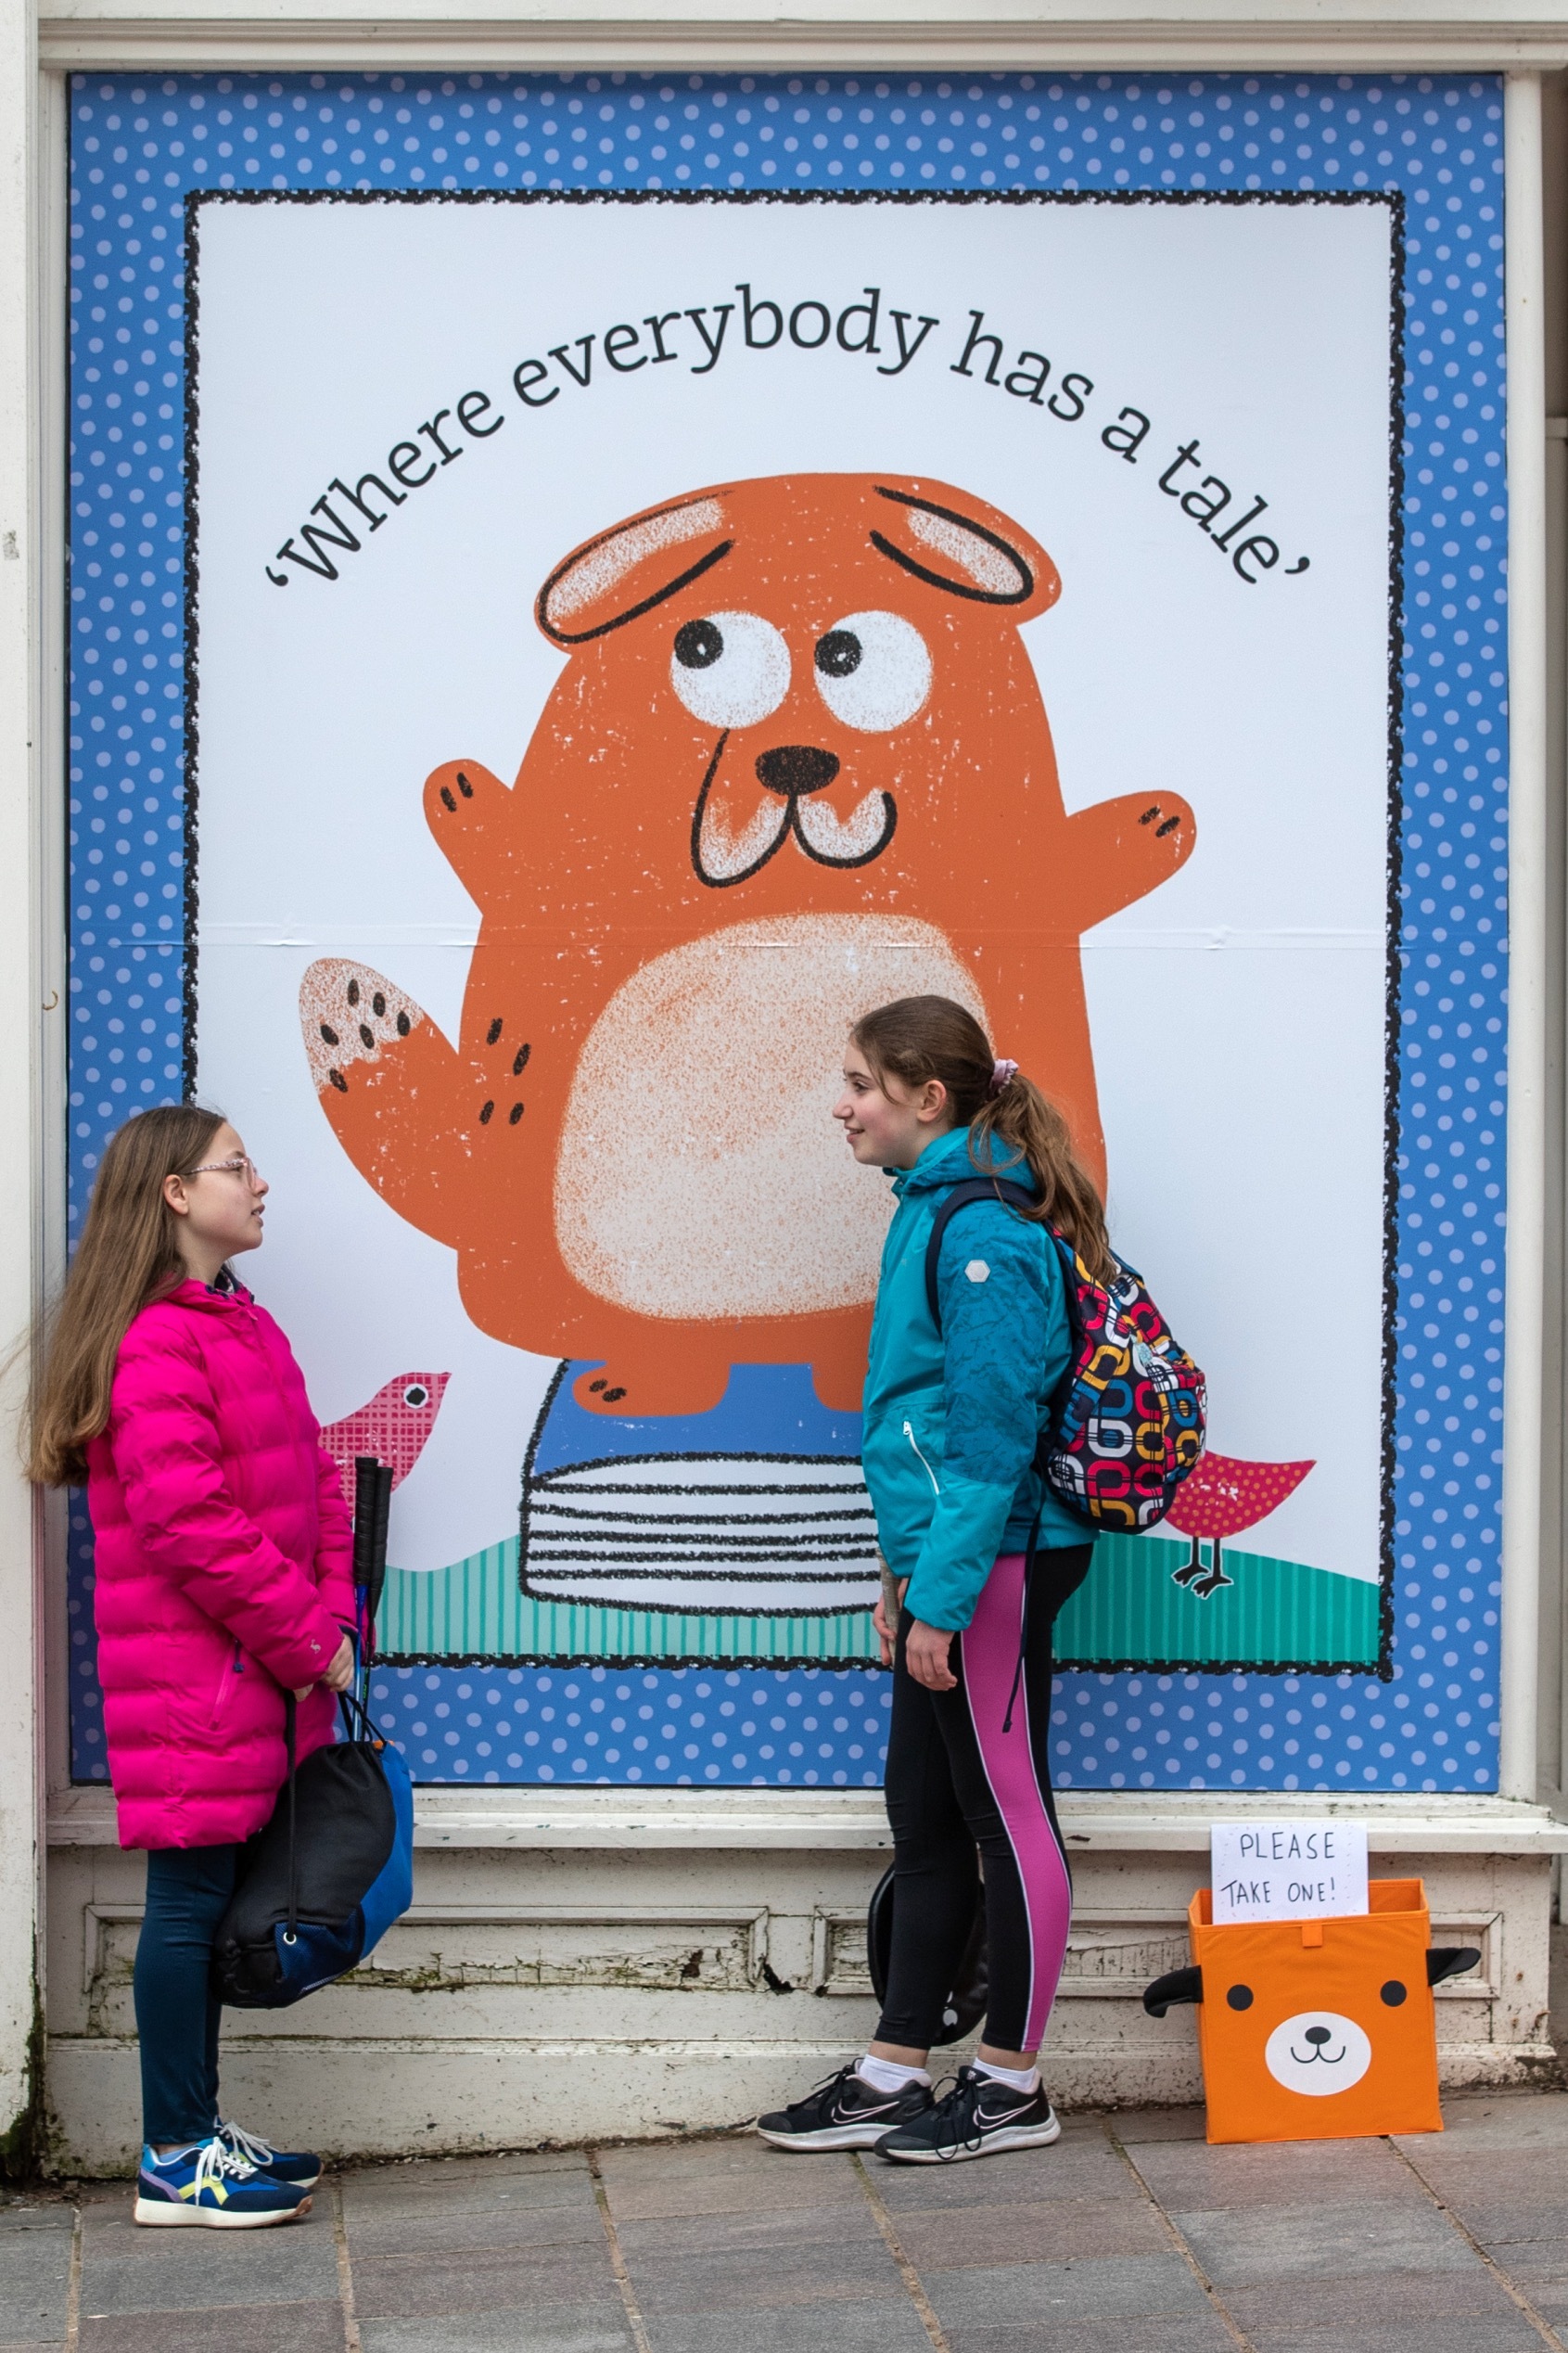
(796, 764)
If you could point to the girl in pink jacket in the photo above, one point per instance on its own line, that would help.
(223, 1579)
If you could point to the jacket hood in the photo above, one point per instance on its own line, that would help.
(948, 1162)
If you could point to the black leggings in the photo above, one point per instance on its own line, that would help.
(957, 1781)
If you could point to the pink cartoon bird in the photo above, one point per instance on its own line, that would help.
(1219, 1498)
(393, 1426)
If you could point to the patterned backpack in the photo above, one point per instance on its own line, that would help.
(1125, 1424)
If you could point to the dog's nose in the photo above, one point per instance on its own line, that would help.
(1318, 2034)
(796, 768)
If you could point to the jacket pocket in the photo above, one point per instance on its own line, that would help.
(232, 1666)
(922, 1458)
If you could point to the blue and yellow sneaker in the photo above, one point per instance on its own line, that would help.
(302, 2167)
(208, 2185)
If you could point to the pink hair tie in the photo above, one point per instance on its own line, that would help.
(1002, 1075)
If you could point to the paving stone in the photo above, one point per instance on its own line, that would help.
(504, 2165)
(1507, 2225)
(487, 2228)
(1063, 2293)
(1162, 2333)
(1294, 2173)
(753, 2279)
(1024, 2177)
(963, 2237)
(731, 2185)
(301, 2328)
(1523, 2173)
(35, 2273)
(433, 2284)
(1158, 2124)
(1320, 2239)
(1496, 2120)
(882, 2326)
(843, 2224)
(125, 2268)
(1402, 2299)
(1535, 2263)
(524, 2184)
(1500, 2194)
(678, 2160)
(1504, 2333)
(547, 2328)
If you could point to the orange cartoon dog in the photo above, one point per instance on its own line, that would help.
(796, 764)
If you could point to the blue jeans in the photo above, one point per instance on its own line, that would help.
(177, 2015)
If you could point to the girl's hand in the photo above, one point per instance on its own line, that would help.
(925, 1656)
(884, 1616)
(339, 1674)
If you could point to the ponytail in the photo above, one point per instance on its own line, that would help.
(917, 1039)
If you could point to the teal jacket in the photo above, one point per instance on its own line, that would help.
(952, 1417)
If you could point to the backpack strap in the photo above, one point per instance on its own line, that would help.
(972, 1189)
(289, 1732)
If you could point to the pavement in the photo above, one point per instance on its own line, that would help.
(1130, 2235)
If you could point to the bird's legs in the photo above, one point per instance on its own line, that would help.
(1190, 1570)
(1215, 1577)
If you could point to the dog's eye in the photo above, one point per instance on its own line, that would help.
(1393, 1993)
(1239, 1997)
(730, 669)
(698, 645)
(839, 653)
(874, 670)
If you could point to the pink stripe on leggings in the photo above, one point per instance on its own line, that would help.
(990, 1661)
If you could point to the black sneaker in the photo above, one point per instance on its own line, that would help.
(845, 2112)
(976, 2118)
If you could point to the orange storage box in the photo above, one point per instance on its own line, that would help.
(1320, 2030)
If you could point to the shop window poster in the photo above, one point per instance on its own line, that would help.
(583, 586)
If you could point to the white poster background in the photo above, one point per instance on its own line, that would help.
(1238, 1013)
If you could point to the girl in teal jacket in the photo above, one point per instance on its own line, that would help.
(984, 1555)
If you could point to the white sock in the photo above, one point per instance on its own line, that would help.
(1021, 2079)
(172, 2156)
(886, 2075)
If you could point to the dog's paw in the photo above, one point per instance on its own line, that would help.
(660, 1376)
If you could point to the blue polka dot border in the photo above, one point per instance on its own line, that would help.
(140, 144)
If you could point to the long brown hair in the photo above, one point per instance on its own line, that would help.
(127, 1256)
(917, 1039)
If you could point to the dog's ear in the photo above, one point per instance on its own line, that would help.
(1178, 1985)
(625, 572)
(1448, 1960)
(964, 548)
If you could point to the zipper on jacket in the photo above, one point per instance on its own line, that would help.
(935, 1484)
(236, 1667)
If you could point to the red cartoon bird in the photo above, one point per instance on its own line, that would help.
(393, 1426)
(1220, 1498)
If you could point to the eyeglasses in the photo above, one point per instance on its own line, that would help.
(245, 1168)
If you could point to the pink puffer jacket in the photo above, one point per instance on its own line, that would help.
(224, 1569)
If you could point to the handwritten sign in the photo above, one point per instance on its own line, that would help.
(1288, 1870)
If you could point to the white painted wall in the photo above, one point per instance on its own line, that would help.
(23, 954)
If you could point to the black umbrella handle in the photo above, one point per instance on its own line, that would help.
(382, 1508)
(367, 1472)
